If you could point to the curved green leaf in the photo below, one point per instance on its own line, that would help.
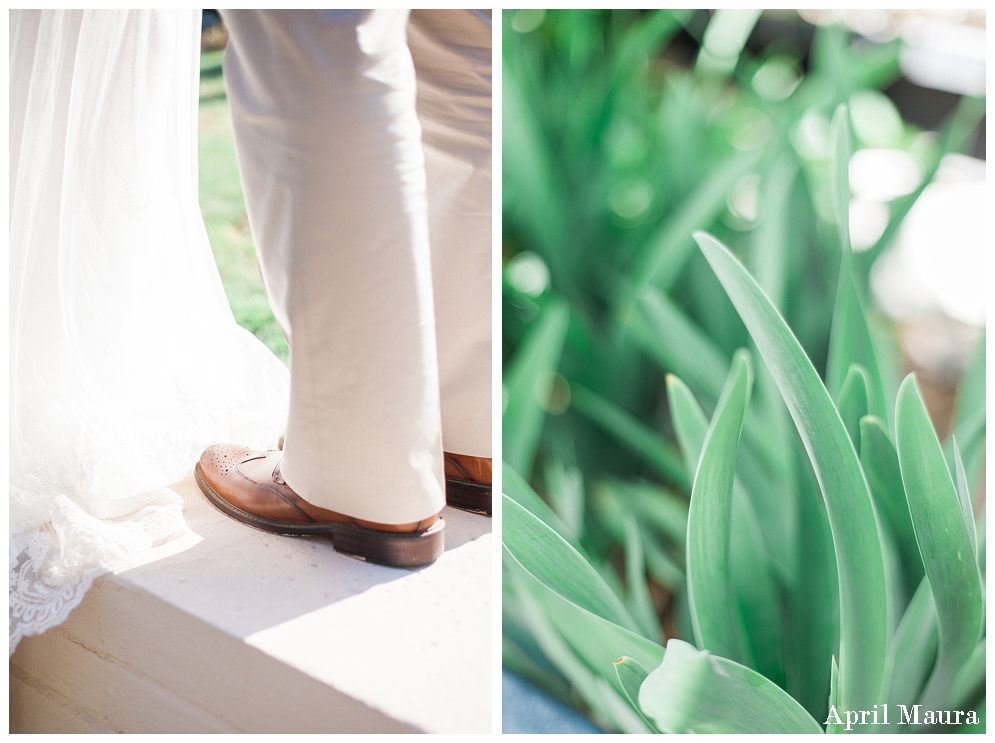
(880, 462)
(694, 691)
(864, 620)
(548, 557)
(574, 642)
(944, 542)
(631, 676)
(850, 338)
(834, 695)
(635, 578)
(757, 592)
(679, 345)
(717, 627)
(514, 486)
(852, 402)
(771, 510)
(964, 497)
(814, 595)
(970, 436)
(690, 422)
(770, 254)
(751, 570)
(913, 650)
(598, 641)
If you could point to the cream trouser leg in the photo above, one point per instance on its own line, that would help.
(334, 171)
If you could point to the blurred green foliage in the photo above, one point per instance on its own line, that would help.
(223, 207)
(624, 133)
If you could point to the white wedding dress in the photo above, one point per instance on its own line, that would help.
(125, 360)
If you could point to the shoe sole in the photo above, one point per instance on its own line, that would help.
(469, 496)
(395, 549)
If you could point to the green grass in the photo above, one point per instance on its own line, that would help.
(223, 207)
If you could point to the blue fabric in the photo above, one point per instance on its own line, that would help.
(527, 709)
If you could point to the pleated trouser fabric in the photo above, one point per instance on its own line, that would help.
(364, 145)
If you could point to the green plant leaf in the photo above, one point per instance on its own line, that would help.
(690, 422)
(970, 435)
(595, 640)
(864, 621)
(944, 542)
(834, 695)
(670, 338)
(717, 627)
(529, 381)
(565, 490)
(728, 30)
(814, 605)
(770, 254)
(751, 570)
(884, 476)
(852, 402)
(553, 562)
(631, 676)
(520, 651)
(913, 650)
(514, 486)
(631, 432)
(850, 339)
(635, 578)
(970, 681)
(694, 691)
(979, 522)
(964, 498)
(758, 595)
(574, 662)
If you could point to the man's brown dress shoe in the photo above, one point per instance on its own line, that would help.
(468, 482)
(247, 486)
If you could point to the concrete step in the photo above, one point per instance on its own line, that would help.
(235, 630)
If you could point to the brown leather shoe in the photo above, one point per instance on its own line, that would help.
(468, 482)
(247, 486)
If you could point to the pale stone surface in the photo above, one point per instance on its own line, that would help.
(255, 632)
(33, 707)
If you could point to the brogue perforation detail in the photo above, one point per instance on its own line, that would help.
(224, 458)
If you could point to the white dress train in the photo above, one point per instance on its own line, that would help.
(125, 360)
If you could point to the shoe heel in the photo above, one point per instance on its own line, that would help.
(469, 496)
(396, 549)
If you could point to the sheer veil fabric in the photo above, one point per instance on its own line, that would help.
(125, 360)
